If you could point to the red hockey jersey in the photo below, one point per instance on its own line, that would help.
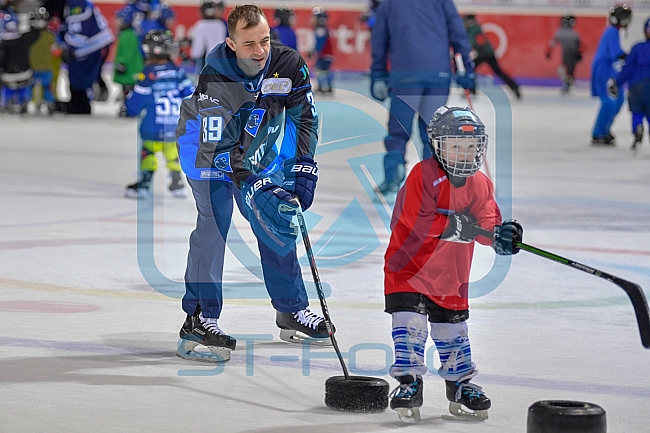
(417, 260)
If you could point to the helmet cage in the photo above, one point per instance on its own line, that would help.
(458, 140)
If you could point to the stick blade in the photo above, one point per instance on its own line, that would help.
(640, 304)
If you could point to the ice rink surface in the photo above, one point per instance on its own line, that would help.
(89, 297)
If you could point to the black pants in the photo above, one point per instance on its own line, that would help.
(494, 65)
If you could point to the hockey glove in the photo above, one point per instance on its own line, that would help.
(379, 85)
(467, 81)
(612, 89)
(506, 237)
(459, 229)
(300, 177)
(270, 210)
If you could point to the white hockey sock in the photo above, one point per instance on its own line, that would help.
(454, 350)
(410, 337)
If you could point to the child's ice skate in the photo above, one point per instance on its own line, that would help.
(467, 399)
(139, 189)
(406, 399)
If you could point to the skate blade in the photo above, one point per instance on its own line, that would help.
(291, 336)
(179, 193)
(458, 410)
(409, 414)
(217, 355)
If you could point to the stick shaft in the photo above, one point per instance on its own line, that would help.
(319, 290)
(633, 290)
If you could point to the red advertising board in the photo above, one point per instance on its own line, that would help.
(519, 40)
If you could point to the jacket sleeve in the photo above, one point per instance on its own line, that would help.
(457, 34)
(301, 122)
(139, 97)
(630, 64)
(486, 210)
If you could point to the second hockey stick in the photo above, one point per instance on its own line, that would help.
(633, 290)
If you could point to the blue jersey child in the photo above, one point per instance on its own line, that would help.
(636, 73)
(157, 95)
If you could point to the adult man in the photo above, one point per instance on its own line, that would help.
(415, 35)
(227, 142)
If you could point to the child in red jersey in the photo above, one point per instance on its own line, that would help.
(428, 261)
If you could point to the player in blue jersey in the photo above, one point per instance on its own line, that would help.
(414, 37)
(157, 95)
(283, 32)
(250, 92)
(608, 60)
(636, 73)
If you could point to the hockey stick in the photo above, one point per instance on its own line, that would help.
(319, 287)
(460, 69)
(634, 291)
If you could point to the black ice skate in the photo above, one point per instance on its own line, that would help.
(406, 399)
(605, 140)
(140, 189)
(638, 138)
(302, 325)
(176, 187)
(464, 395)
(198, 330)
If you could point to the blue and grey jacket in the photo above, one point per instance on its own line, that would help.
(229, 127)
(415, 36)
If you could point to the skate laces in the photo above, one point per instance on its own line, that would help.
(307, 318)
(468, 389)
(210, 324)
(404, 390)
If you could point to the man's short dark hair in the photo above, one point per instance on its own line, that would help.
(251, 15)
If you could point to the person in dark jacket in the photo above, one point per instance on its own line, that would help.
(483, 52)
(248, 92)
(414, 37)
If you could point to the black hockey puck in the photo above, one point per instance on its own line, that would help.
(562, 416)
(356, 393)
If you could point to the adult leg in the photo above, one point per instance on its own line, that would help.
(82, 73)
(435, 95)
(400, 123)
(204, 272)
(281, 270)
(608, 110)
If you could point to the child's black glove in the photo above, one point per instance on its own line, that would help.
(506, 237)
(460, 229)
